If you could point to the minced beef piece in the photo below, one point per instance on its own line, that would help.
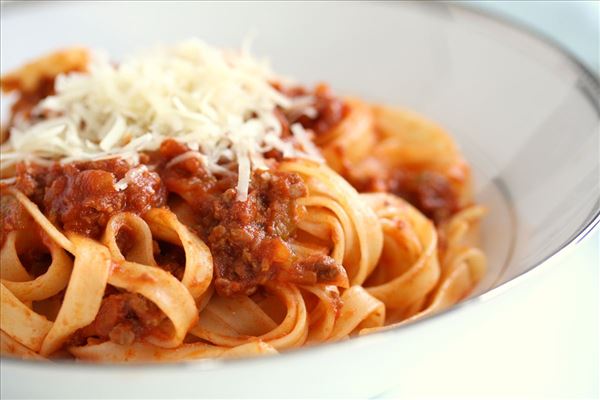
(81, 197)
(248, 239)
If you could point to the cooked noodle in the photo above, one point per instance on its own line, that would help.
(167, 264)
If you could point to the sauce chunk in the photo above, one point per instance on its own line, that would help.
(248, 240)
(81, 197)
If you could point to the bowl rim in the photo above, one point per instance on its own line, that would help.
(590, 88)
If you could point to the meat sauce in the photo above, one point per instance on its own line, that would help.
(429, 191)
(13, 217)
(330, 110)
(81, 197)
(122, 318)
(248, 240)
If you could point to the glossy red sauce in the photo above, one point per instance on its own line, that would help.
(429, 191)
(13, 216)
(248, 239)
(123, 318)
(81, 197)
(330, 110)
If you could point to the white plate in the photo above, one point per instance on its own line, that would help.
(525, 114)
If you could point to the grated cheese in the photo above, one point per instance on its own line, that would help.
(220, 103)
(131, 175)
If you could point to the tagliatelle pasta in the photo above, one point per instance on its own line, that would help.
(187, 203)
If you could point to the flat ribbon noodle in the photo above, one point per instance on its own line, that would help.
(39, 217)
(463, 265)
(340, 229)
(360, 310)
(252, 322)
(21, 323)
(322, 319)
(411, 141)
(54, 280)
(367, 229)
(140, 250)
(198, 260)
(11, 268)
(351, 139)
(11, 347)
(410, 239)
(164, 290)
(388, 249)
(291, 332)
(142, 352)
(84, 292)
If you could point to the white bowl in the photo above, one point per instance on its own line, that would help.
(524, 112)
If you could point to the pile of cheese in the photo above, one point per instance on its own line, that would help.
(220, 103)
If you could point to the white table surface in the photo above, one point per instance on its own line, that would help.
(540, 338)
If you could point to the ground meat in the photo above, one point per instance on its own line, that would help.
(317, 268)
(429, 191)
(122, 318)
(83, 201)
(81, 197)
(248, 240)
(330, 109)
(13, 216)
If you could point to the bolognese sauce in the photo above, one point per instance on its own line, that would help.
(81, 197)
(219, 162)
(122, 318)
(248, 239)
(429, 191)
(13, 216)
(328, 109)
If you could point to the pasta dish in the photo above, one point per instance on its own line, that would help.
(188, 203)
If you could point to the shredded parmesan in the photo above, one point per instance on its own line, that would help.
(130, 176)
(220, 103)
